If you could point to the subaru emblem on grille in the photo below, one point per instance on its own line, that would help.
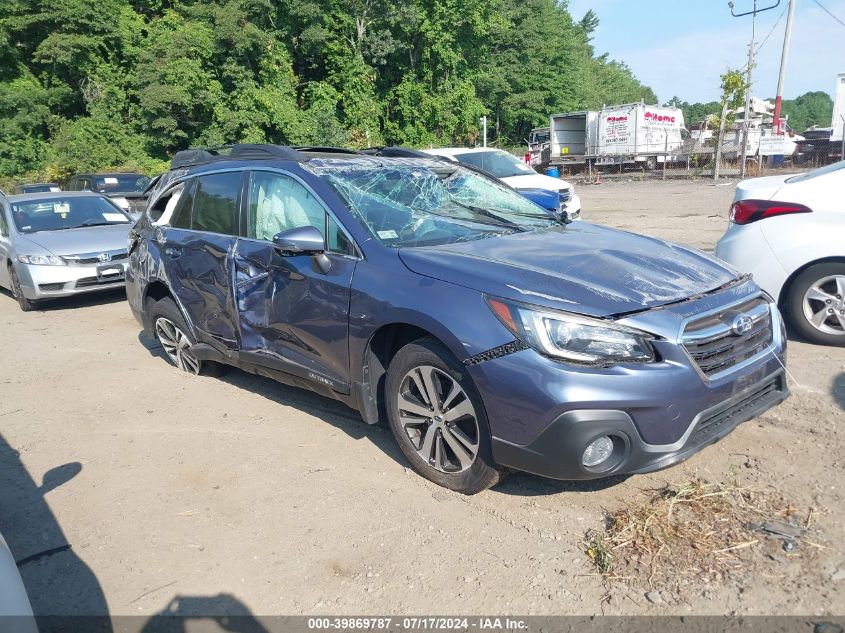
(104, 257)
(741, 324)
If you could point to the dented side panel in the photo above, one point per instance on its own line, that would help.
(292, 315)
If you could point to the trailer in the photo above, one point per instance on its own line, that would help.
(631, 134)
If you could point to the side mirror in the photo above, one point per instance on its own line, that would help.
(305, 240)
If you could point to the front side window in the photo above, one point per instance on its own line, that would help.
(60, 213)
(279, 203)
(215, 199)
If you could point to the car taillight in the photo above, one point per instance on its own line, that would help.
(748, 211)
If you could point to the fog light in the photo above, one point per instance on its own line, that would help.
(598, 451)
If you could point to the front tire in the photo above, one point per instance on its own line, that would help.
(26, 305)
(438, 419)
(174, 335)
(815, 304)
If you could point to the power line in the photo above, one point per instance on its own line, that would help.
(825, 9)
(765, 39)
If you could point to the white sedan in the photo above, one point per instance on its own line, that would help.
(789, 232)
(509, 169)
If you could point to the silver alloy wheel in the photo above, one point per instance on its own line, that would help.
(176, 345)
(439, 419)
(824, 305)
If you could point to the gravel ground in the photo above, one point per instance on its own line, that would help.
(196, 494)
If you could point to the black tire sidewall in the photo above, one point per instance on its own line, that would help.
(168, 309)
(25, 304)
(795, 300)
(483, 473)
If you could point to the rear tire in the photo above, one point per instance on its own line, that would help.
(815, 304)
(26, 305)
(438, 419)
(174, 335)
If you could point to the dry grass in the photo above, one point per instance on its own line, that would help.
(693, 532)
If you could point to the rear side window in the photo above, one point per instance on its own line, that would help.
(215, 207)
(181, 215)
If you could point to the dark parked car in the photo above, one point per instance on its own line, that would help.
(487, 333)
(128, 190)
(38, 187)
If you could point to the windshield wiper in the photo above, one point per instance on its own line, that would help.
(93, 222)
(499, 220)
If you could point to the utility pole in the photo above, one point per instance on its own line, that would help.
(787, 36)
(746, 121)
(745, 117)
(483, 122)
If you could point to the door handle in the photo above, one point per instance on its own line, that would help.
(171, 251)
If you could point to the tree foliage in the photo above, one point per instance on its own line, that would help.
(86, 85)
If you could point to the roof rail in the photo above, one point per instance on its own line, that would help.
(319, 149)
(255, 151)
(397, 152)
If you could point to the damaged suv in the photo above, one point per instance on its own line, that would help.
(488, 335)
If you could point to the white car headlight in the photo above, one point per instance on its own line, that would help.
(41, 260)
(573, 338)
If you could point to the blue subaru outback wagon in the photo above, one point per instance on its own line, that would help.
(487, 333)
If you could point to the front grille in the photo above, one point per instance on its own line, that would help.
(738, 411)
(87, 282)
(565, 195)
(716, 348)
(88, 258)
(51, 287)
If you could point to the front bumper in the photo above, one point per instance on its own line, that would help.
(46, 282)
(543, 414)
(573, 207)
(558, 450)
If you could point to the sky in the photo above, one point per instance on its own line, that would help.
(680, 47)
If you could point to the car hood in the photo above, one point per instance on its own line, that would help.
(93, 239)
(582, 268)
(537, 181)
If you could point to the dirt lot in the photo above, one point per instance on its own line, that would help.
(204, 494)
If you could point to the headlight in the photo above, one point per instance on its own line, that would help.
(572, 337)
(42, 260)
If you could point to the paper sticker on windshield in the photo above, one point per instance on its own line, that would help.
(388, 235)
(113, 217)
(55, 188)
(62, 208)
(109, 180)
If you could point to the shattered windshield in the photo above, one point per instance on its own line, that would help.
(429, 203)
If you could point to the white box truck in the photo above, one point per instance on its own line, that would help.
(639, 133)
(627, 134)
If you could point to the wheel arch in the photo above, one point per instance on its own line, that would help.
(157, 290)
(787, 285)
(381, 347)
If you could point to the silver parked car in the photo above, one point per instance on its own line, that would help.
(55, 244)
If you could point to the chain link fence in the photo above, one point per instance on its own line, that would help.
(693, 160)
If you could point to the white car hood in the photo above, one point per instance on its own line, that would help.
(537, 181)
